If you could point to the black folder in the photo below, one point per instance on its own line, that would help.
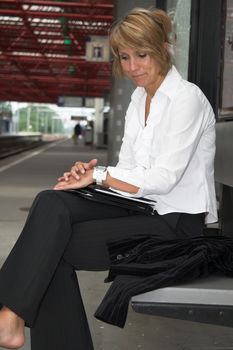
(107, 196)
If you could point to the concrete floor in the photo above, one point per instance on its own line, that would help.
(21, 177)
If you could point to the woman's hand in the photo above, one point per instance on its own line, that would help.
(78, 169)
(72, 183)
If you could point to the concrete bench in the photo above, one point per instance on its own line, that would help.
(206, 300)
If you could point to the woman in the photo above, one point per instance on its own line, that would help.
(167, 155)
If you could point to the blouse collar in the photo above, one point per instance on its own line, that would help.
(168, 86)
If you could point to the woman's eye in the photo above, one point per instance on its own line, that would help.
(142, 54)
(123, 57)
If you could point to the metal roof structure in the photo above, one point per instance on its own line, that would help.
(43, 49)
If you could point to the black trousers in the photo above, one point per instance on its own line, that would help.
(64, 233)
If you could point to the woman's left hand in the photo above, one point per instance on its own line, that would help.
(77, 170)
(72, 183)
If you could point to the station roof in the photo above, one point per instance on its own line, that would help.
(42, 49)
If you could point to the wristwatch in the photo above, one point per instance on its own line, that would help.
(99, 174)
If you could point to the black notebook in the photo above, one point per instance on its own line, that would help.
(107, 196)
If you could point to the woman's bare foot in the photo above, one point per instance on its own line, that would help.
(11, 329)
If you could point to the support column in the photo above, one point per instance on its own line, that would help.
(99, 119)
(121, 89)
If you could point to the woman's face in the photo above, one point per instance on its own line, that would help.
(141, 68)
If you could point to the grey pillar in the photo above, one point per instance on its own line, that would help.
(121, 89)
(99, 117)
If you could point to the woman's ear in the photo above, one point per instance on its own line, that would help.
(169, 48)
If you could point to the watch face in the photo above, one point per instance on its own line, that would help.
(101, 168)
(99, 174)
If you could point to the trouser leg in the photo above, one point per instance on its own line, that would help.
(27, 272)
(61, 323)
(33, 281)
(87, 248)
(61, 320)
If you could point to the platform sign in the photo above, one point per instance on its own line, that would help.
(97, 48)
(78, 118)
(70, 101)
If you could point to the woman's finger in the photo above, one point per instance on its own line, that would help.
(92, 163)
(80, 167)
(61, 179)
(66, 175)
(74, 173)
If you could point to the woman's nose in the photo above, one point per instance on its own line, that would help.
(133, 64)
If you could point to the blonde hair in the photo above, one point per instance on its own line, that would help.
(142, 29)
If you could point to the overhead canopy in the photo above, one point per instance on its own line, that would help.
(43, 49)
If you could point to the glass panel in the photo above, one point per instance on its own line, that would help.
(226, 110)
(179, 11)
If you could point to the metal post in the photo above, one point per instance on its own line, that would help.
(28, 118)
(53, 126)
(37, 119)
(46, 123)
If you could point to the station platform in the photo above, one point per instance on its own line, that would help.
(21, 177)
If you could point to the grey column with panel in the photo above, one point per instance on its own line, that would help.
(121, 89)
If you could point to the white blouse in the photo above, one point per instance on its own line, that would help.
(171, 159)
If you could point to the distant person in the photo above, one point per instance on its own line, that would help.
(77, 133)
(167, 155)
